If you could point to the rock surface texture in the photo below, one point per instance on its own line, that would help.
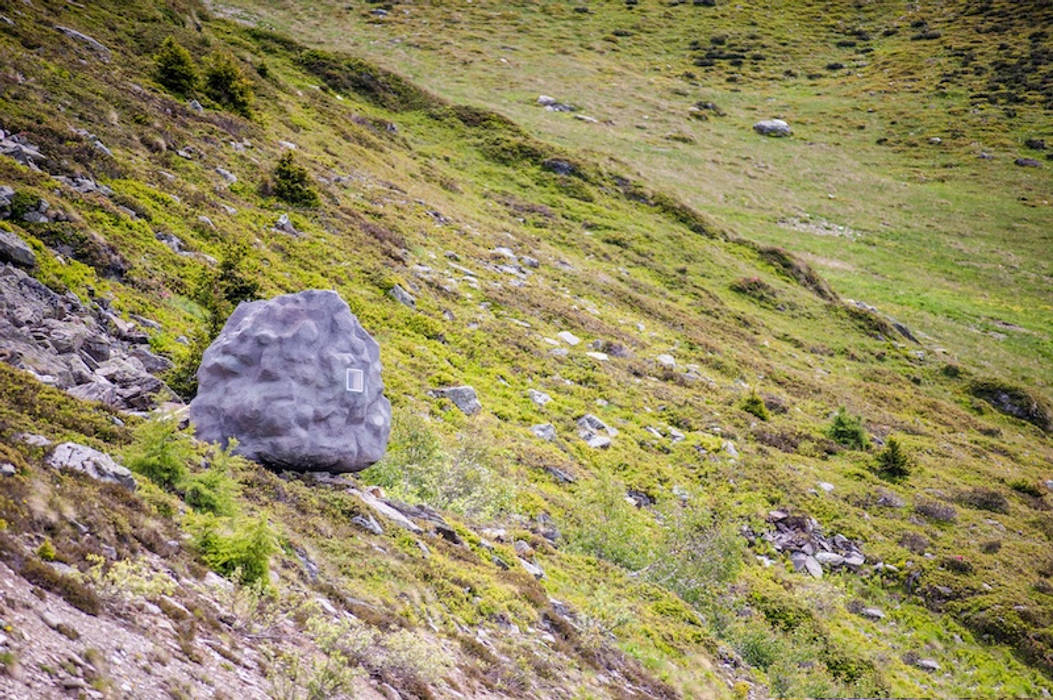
(772, 127)
(296, 380)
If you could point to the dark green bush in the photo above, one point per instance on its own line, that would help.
(984, 499)
(1026, 487)
(225, 84)
(848, 430)
(174, 68)
(292, 184)
(213, 490)
(892, 463)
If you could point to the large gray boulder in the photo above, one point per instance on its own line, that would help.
(296, 380)
(72, 456)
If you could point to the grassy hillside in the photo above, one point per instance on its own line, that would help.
(719, 359)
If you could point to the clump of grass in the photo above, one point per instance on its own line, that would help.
(46, 551)
(174, 68)
(891, 462)
(848, 430)
(291, 183)
(755, 405)
(227, 85)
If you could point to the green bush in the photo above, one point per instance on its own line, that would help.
(755, 405)
(291, 182)
(1026, 487)
(607, 527)
(892, 463)
(174, 68)
(237, 548)
(226, 84)
(214, 490)
(848, 430)
(417, 468)
(160, 451)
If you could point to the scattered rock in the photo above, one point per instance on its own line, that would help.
(195, 106)
(826, 486)
(927, 665)
(387, 510)
(667, 361)
(1036, 144)
(1027, 163)
(463, 397)
(368, 523)
(568, 338)
(227, 176)
(890, 500)
(538, 397)
(7, 469)
(402, 296)
(872, 613)
(590, 429)
(85, 460)
(14, 250)
(284, 225)
(532, 569)
(772, 127)
(297, 380)
(561, 475)
(545, 431)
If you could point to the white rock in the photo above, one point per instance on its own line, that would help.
(826, 486)
(568, 337)
(80, 458)
(666, 360)
(545, 431)
(598, 356)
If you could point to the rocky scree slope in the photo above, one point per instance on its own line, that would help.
(617, 466)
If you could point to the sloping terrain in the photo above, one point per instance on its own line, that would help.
(659, 496)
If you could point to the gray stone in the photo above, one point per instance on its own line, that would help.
(228, 176)
(297, 380)
(927, 664)
(666, 360)
(593, 423)
(1027, 163)
(772, 127)
(463, 397)
(568, 337)
(368, 523)
(829, 558)
(403, 297)
(196, 106)
(872, 613)
(14, 250)
(532, 569)
(538, 397)
(94, 44)
(545, 431)
(7, 469)
(80, 458)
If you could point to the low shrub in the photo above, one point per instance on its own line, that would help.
(1028, 488)
(73, 591)
(984, 499)
(237, 548)
(848, 430)
(934, 510)
(160, 451)
(291, 183)
(755, 405)
(891, 462)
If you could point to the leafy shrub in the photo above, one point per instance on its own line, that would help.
(755, 405)
(239, 549)
(957, 564)
(46, 551)
(225, 83)
(174, 68)
(848, 430)
(160, 451)
(984, 499)
(128, 578)
(291, 182)
(891, 462)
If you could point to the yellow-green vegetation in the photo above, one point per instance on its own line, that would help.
(408, 149)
